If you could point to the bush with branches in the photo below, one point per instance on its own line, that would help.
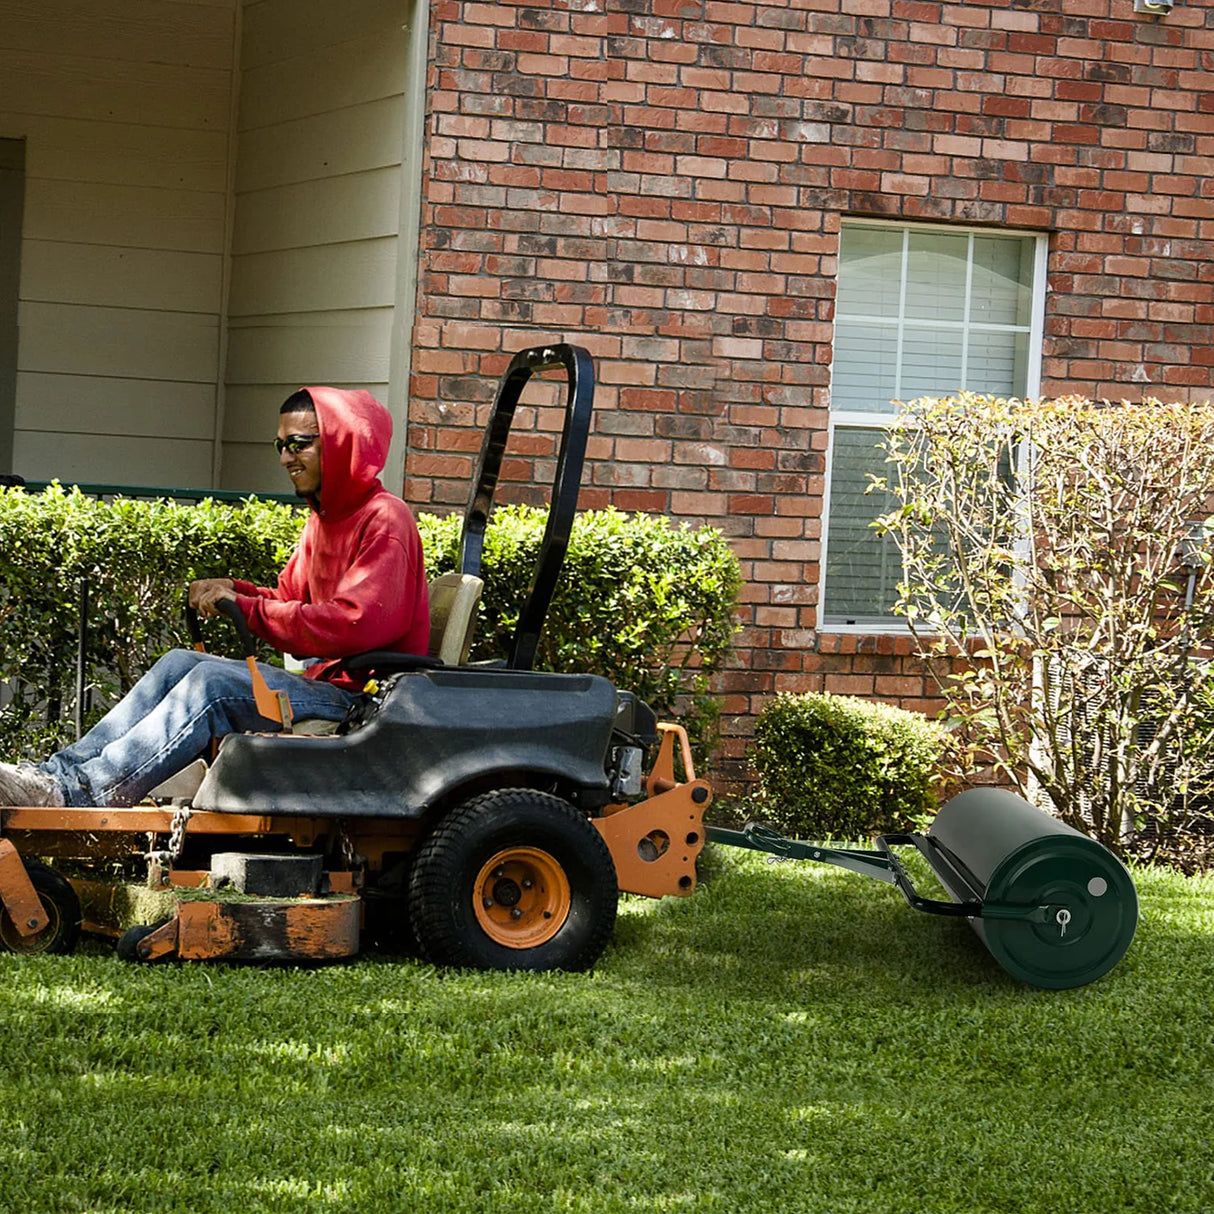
(1056, 575)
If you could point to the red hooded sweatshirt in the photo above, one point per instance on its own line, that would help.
(357, 580)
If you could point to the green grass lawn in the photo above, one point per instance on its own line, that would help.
(791, 1038)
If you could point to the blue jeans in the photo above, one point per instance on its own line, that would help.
(167, 720)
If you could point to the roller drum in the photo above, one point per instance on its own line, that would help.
(1010, 854)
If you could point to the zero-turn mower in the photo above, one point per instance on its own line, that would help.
(499, 811)
(496, 811)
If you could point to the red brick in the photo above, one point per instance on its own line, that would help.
(642, 501)
(677, 211)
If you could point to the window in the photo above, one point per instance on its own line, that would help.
(920, 311)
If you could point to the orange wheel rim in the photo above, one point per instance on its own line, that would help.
(15, 942)
(521, 897)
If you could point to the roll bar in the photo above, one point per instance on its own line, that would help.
(579, 403)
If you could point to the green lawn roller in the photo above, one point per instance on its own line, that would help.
(1055, 908)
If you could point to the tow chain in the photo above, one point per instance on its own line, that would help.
(181, 819)
(159, 860)
(349, 855)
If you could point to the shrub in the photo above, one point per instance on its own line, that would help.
(838, 767)
(641, 601)
(137, 558)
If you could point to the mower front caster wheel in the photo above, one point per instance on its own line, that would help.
(127, 947)
(514, 880)
(61, 905)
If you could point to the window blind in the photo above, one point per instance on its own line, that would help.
(862, 568)
(920, 311)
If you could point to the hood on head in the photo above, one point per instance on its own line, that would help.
(355, 433)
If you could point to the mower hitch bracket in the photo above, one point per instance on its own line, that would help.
(762, 838)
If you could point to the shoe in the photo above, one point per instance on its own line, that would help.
(26, 784)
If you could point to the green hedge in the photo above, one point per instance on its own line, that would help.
(644, 602)
(837, 767)
(137, 557)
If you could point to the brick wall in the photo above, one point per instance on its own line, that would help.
(662, 181)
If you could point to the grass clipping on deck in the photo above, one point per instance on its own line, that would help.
(123, 904)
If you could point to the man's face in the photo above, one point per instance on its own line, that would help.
(303, 466)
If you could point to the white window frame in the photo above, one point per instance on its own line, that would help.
(857, 419)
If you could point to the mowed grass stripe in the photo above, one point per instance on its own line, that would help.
(792, 1037)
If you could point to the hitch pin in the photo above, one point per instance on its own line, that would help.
(1063, 917)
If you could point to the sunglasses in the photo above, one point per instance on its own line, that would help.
(295, 443)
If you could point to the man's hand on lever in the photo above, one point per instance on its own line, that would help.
(207, 592)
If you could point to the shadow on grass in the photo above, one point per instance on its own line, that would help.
(798, 928)
(754, 1047)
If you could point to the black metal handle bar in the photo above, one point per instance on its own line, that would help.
(970, 907)
(762, 838)
(885, 866)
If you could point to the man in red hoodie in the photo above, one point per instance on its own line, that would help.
(355, 582)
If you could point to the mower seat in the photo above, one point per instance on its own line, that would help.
(454, 598)
(453, 601)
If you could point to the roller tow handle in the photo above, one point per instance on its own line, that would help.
(883, 865)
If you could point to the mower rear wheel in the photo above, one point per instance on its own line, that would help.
(514, 880)
(61, 905)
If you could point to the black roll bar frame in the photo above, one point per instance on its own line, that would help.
(567, 479)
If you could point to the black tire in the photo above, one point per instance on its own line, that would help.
(60, 902)
(127, 947)
(514, 880)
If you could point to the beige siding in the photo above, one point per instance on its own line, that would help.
(326, 278)
(118, 153)
(182, 269)
(183, 33)
(105, 459)
(110, 276)
(318, 197)
(54, 83)
(125, 112)
(349, 141)
(124, 216)
(330, 210)
(129, 406)
(286, 84)
(122, 342)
